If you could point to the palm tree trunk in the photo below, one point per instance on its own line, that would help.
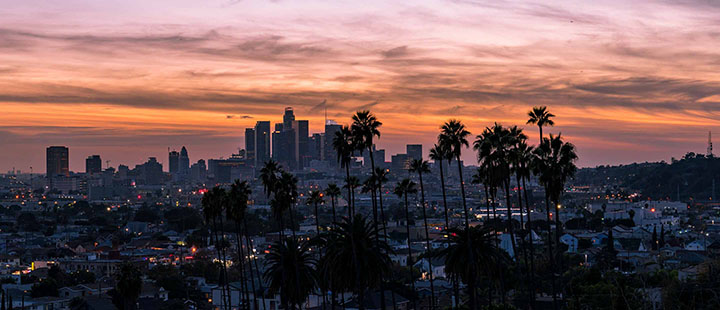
(487, 203)
(224, 259)
(541, 135)
(241, 261)
(558, 230)
(427, 241)
(317, 219)
(442, 185)
(522, 227)
(531, 246)
(551, 258)
(385, 237)
(332, 200)
(473, 300)
(509, 214)
(292, 221)
(377, 239)
(447, 225)
(409, 260)
(350, 196)
(248, 240)
(216, 240)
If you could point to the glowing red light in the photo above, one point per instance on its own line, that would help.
(139, 197)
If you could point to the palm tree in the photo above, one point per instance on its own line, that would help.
(315, 198)
(541, 117)
(420, 166)
(402, 189)
(344, 144)
(354, 244)
(129, 285)
(213, 203)
(235, 210)
(522, 157)
(555, 165)
(493, 147)
(351, 184)
(472, 251)
(269, 176)
(369, 187)
(452, 138)
(290, 271)
(380, 178)
(333, 191)
(286, 193)
(365, 128)
(438, 154)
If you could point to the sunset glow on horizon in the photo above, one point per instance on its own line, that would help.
(628, 81)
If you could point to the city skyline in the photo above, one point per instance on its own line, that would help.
(127, 80)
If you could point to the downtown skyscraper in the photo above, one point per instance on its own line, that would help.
(57, 161)
(93, 164)
(257, 144)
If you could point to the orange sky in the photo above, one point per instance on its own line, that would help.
(128, 79)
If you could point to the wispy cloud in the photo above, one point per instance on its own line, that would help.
(611, 71)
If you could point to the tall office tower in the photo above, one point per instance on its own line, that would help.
(198, 171)
(173, 162)
(399, 162)
(57, 161)
(414, 151)
(250, 145)
(315, 146)
(301, 130)
(288, 118)
(286, 148)
(378, 156)
(329, 154)
(184, 162)
(276, 141)
(93, 164)
(150, 172)
(262, 143)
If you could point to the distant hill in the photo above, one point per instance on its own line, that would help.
(694, 175)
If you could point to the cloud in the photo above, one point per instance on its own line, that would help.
(238, 116)
(396, 52)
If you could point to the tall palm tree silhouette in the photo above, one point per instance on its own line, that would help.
(420, 166)
(314, 199)
(541, 117)
(290, 271)
(354, 243)
(344, 144)
(486, 257)
(351, 184)
(365, 128)
(453, 137)
(235, 209)
(213, 203)
(402, 189)
(333, 191)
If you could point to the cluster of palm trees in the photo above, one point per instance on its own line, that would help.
(351, 255)
(221, 205)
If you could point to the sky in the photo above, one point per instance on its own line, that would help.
(629, 81)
